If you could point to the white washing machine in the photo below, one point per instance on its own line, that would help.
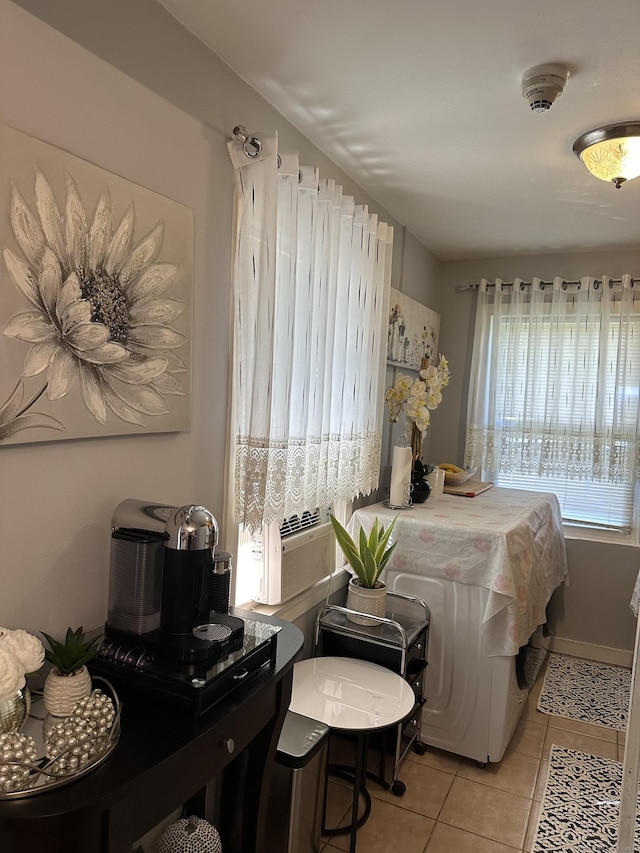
(473, 701)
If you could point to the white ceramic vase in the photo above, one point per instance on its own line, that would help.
(372, 601)
(63, 692)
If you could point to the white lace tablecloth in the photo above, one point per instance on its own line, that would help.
(509, 541)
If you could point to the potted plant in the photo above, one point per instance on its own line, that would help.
(69, 680)
(367, 593)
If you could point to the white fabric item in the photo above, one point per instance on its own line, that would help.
(631, 765)
(508, 541)
(634, 604)
(311, 287)
(554, 393)
(400, 488)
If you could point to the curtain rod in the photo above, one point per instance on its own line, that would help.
(462, 288)
(251, 145)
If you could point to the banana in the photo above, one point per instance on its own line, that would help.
(448, 466)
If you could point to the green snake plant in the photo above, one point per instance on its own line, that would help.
(369, 557)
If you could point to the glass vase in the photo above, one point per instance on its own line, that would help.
(14, 710)
(416, 444)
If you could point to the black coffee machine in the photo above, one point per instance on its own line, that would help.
(162, 571)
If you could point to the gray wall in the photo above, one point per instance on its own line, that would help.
(121, 84)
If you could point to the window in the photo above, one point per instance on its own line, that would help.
(554, 394)
(311, 284)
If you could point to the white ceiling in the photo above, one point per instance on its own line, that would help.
(420, 102)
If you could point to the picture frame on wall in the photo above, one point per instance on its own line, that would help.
(96, 280)
(413, 332)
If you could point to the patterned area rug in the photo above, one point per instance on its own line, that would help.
(595, 693)
(581, 803)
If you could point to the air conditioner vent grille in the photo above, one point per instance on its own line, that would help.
(296, 524)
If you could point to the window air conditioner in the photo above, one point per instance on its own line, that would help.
(292, 556)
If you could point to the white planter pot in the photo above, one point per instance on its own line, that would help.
(63, 692)
(366, 600)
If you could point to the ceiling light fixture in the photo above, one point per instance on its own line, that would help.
(611, 153)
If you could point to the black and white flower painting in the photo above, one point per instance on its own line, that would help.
(413, 332)
(94, 300)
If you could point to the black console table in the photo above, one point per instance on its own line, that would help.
(163, 760)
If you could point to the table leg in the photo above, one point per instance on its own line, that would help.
(359, 786)
(358, 777)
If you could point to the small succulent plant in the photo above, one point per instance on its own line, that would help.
(368, 556)
(71, 653)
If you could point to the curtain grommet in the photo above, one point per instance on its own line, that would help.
(252, 147)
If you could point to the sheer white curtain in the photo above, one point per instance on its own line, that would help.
(311, 290)
(554, 393)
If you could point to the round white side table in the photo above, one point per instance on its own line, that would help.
(355, 696)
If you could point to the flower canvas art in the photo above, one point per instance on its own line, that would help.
(95, 290)
(413, 332)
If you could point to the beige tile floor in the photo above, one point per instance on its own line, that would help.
(453, 806)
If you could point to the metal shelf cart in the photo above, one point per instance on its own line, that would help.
(397, 641)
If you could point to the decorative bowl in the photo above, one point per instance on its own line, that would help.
(456, 478)
(49, 771)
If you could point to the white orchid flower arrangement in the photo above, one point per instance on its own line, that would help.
(417, 398)
(21, 653)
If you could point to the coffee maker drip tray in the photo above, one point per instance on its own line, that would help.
(213, 631)
(196, 686)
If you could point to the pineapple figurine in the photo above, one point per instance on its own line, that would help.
(69, 680)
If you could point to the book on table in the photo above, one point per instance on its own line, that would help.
(470, 489)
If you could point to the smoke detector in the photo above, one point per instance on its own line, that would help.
(542, 85)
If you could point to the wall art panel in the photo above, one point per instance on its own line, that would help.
(96, 280)
(413, 332)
